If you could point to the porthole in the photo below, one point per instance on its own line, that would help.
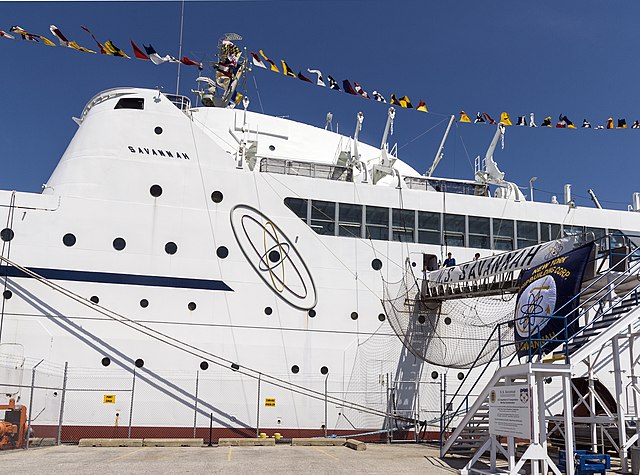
(274, 256)
(324, 370)
(354, 315)
(222, 252)
(235, 366)
(144, 303)
(191, 306)
(155, 190)
(382, 317)
(311, 313)
(171, 248)
(268, 310)
(272, 148)
(68, 239)
(413, 264)
(106, 361)
(216, 196)
(7, 234)
(158, 130)
(7, 294)
(376, 264)
(295, 369)
(119, 244)
(94, 299)
(421, 319)
(204, 366)
(460, 375)
(434, 375)
(139, 363)
(447, 321)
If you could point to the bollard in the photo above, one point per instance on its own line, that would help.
(211, 430)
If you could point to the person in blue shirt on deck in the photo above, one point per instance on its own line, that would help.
(449, 261)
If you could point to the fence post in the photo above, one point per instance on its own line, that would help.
(33, 383)
(64, 393)
(258, 408)
(195, 404)
(133, 387)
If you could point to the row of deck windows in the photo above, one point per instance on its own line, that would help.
(425, 227)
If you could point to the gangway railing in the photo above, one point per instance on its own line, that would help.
(595, 299)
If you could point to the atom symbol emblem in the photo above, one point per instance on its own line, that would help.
(535, 305)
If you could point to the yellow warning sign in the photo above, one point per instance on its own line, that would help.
(109, 399)
(270, 402)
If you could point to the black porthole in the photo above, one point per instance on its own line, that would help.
(106, 361)
(155, 190)
(119, 244)
(158, 130)
(144, 303)
(324, 370)
(94, 299)
(354, 315)
(295, 369)
(7, 234)
(268, 310)
(376, 264)
(216, 196)
(413, 264)
(274, 256)
(460, 375)
(171, 248)
(222, 252)
(235, 366)
(434, 375)
(382, 317)
(272, 147)
(191, 306)
(447, 321)
(68, 239)
(139, 363)
(421, 319)
(7, 294)
(311, 313)
(204, 366)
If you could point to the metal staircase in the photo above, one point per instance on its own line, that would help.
(610, 305)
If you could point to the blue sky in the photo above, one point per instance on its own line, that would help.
(550, 58)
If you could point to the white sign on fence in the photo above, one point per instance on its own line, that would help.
(510, 411)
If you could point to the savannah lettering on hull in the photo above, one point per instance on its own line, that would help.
(158, 153)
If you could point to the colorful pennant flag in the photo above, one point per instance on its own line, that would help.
(230, 51)
(622, 124)
(320, 80)
(302, 77)
(479, 119)
(636, 125)
(378, 97)
(488, 118)
(30, 36)
(610, 123)
(333, 84)
(257, 61)
(405, 103)
(522, 121)
(4, 34)
(422, 106)
(114, 50)
(464, 117)
(361, 91)
(546, 122)
(586, 124)
(505, 119)
(348, 88)
(189, 62)
(273, 65)
(286, 70)
(156, 58)
(138, 52)
(532, 122)
(394, 101)
(100, 45)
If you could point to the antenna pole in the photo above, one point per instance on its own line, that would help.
(440, 152)
(180, 49)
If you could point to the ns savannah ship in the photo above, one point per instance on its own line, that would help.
(233, 267)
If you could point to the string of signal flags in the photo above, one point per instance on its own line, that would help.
(233, 53)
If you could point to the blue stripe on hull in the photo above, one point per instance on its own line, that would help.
(113, 278)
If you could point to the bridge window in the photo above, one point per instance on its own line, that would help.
(349, 220)
(377, 222)
(527, 234)
(298, 206)
(550, 231)
(479, 232)
(454, 230)
(503, 234)
(428, 227)
(130, 103)
(595, 233)
(323, 217)
(573, 230)
(403, 224)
